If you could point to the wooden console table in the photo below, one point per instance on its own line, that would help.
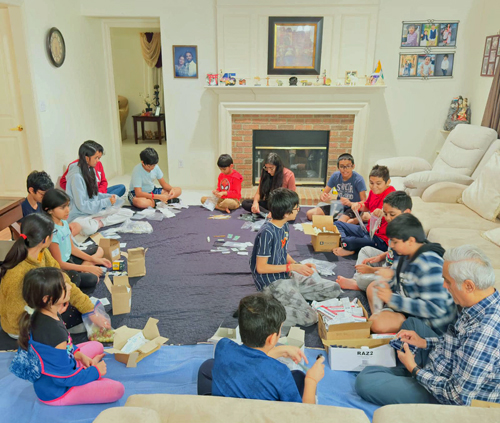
(157, 119)
(10, 213)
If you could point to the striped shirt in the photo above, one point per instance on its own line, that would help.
(418, 291)
(272, 242)
(465, 363)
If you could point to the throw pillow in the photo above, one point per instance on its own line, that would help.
(483, 195)
(493, 235)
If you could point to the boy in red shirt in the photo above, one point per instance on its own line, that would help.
(228, 189)
(355, 237)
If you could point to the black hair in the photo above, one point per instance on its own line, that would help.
(39, 181)
(36, 227)
(269, 183)
(149, 156)
(88, 149)
(39, 283)
(380, 172)
(404, 227)
(399, 200)
(282, 201)
(54, 198)
(345, 156)
(225, 160)
(259, 315)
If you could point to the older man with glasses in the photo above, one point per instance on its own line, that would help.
(462, 365)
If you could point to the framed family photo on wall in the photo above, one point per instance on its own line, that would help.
(426, 65)
(429, 34)
(294, 45)
(411, 35)
(491, 55)
(185, 61)
(448, 35)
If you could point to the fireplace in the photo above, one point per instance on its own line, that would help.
(305, 153)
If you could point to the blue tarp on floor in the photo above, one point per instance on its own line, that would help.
(171, 370)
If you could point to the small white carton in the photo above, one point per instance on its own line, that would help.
(356, 359)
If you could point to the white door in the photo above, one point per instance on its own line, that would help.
(14, 160)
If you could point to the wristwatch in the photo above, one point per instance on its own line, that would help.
(415, 370)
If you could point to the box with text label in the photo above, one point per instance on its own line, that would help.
(356, 359)
(323, 241)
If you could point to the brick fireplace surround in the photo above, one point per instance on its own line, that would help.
(341, 133)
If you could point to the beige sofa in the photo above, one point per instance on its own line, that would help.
(163, 408)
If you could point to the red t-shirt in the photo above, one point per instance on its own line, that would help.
(376, 201)
(102, 183)
(230, 183)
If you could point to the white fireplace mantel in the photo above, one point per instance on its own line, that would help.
(311, 100)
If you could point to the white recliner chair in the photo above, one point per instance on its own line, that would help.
(459, 157)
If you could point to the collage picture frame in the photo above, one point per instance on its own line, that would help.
(417, 65)
(429, 34)
(491, 55)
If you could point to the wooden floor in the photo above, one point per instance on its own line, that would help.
(5, 235)
(308, 196)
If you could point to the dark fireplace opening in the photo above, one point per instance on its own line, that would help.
(305, 153)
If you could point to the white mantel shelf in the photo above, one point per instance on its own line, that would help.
(322, 89)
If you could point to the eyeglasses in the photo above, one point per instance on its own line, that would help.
(296, 209)
(345, 167)
(269, 167)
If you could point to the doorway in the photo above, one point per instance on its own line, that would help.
(132, 85)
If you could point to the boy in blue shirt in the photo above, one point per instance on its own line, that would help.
(252, 370)
(37, 184)
(143, 193)
(350, 186)
(277, 274)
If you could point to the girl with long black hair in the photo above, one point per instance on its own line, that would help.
(274, 175)
(31, 251)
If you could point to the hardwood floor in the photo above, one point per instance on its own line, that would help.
(5, 235)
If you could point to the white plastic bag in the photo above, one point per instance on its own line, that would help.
(361, 224)
(102, 331)
(135, 227)
(210, 203)
(374, 225)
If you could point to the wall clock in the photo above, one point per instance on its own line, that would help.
(56, 47)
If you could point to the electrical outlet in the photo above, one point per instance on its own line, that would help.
(181, 164)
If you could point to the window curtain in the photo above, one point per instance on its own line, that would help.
(491, 117)
(151, 51)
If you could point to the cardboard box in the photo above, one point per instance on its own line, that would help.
(5, 247)
(122, 335)
(111, 248)
(323, 241)
(295, 337)
(233, 334)
(356, 359)
(136, 262)
(121, 294)
(344, 331)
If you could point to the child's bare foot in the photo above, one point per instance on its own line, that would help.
(340, 252)
(227, 210)
(346, 283)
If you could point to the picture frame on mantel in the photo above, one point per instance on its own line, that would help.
(294, 45)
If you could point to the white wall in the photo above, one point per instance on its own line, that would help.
(191, 113)
(488, 23)
(130, 70)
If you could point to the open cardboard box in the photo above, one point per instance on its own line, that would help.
(323, 241)
(232, 334)
(111, 248)
(121, 294)
(124, 333)
(295, 337)
(136, 261)
(344, 330)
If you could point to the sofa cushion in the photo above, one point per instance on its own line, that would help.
(463, 149)
(420, 181)
(205, 409)
(492, 235)
(431, 413)
(451, 238)
(398, 183)
(445, 215)
(493, 147)
(128, 415)
(403, 166)
(483, 196)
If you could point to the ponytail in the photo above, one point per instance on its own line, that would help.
(24, 330)
(88, 149)
(35, 229)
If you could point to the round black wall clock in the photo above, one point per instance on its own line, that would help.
(56, 47)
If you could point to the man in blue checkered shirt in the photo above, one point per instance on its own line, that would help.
(459, 367)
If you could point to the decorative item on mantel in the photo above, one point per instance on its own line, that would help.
(292, 81)
(229, 79)
(351, 78)
(377, 77)
(256, 81)
(459, 113)
(279, 82)
(305, 83)
(212, 79)
(242, 81)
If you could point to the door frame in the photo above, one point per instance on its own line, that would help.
(107, 24)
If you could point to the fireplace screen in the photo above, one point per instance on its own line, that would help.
(305, 153)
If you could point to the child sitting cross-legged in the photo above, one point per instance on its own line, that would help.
(251, 370)
(143, 193)
(370, 259)
(276, 273)
(228, 189)
(69, 375)
(415, 285)
(82, 267)
(354, 237)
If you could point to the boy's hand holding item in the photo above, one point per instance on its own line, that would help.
(303, 269)
(355, 206)
(325, 197)
(378, 213)
(317, 371)
(385, 273)
(412, 338)
(113, 199)
(384, 292)
(288, 351)
(95, 270)
(102, 262)
(365, 268)
(345, 202)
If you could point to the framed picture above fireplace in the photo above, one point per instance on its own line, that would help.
(294, 45)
